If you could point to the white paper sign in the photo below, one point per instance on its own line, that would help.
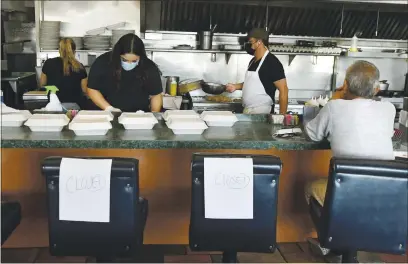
(229, 188)
(84, 190)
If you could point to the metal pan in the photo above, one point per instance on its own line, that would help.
(213, 88)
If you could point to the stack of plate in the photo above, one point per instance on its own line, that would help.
(97, 42)
(118, 33)
(79, 43)
(50, 34)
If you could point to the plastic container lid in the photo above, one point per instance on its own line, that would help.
(90, 124)
(88, 114)
(219, 116)
(186, 123)
(47, 120)
(137, 118)
(179, 114)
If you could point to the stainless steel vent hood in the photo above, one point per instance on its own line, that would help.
(329, 18)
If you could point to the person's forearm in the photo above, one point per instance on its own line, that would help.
(156, 103)
(98, 98)
(283, 103)
(43, 80)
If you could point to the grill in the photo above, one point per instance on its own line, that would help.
(317, 19)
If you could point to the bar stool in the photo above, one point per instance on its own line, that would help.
(237, 235)
(10, 219)
(120, 237)
(365, 208)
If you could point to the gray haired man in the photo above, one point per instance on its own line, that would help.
(356, 125)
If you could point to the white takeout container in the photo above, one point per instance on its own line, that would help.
(179, 114)
(184, 126)
(219, 118)
(91, 126)
(15, 119)
(88, 114)
(137, 120)
(47, 122)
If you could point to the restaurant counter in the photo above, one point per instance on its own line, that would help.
(164, 173)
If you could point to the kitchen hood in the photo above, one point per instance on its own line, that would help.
(329, 18)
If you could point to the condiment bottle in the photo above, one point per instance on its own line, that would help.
(173, 88)
(354, 42)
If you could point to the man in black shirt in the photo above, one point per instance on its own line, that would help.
(265, 74)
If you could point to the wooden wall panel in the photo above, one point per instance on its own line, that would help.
(165, 182)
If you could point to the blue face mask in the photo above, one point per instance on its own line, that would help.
(128, 66)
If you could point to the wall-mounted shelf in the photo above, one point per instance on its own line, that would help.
(210, 51)
(389, 55)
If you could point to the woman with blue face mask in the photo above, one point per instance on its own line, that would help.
(124, 79)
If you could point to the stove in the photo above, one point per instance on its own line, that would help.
(200, 104)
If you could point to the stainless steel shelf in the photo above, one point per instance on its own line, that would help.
(388, 55)
(347, 54)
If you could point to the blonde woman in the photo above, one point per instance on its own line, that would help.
(67, 73)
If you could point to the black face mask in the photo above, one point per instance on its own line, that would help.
(248, 48)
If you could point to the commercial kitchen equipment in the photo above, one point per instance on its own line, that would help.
(14, 85)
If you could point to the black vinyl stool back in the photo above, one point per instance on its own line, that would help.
(365, 207)
(237, 235)
(10, 219)
(120, 236)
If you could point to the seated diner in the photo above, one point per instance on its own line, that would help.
(356, 126)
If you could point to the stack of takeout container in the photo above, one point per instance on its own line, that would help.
(47, 122)
(183, 122)
(219, 118)
(91, 123)
(138, 120)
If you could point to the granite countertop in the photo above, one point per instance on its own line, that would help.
(251, 132)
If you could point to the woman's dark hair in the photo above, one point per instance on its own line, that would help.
(130, 43)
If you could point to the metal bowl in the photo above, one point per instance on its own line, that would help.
(213, 88)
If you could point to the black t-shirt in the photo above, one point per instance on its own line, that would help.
(133, 92)
(69, 86)
(270, 72)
